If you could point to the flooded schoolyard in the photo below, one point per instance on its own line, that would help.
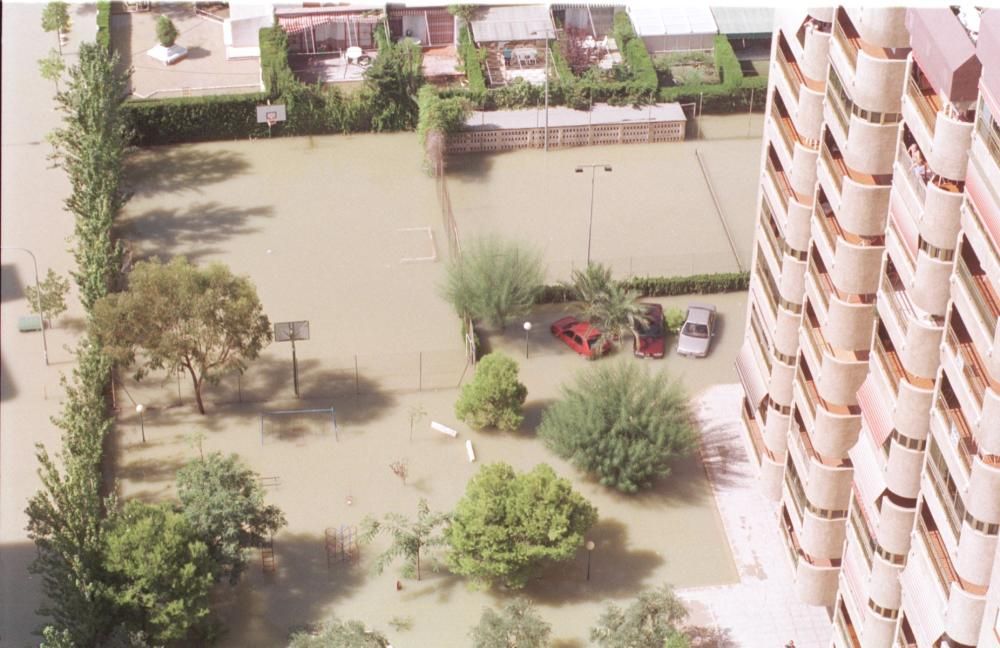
(346, 232)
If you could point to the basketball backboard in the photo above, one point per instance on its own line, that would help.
(286, 331)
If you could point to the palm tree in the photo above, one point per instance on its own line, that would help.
(605, 303)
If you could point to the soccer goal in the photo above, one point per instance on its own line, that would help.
(285, 425)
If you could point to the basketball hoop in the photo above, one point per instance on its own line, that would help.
(272, 119)
(270, 115)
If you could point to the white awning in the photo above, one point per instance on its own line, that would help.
(753, 383)
(854, 575)
(868, 476)
(876, 416)
(923, 607)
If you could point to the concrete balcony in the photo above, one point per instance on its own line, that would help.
(978, 303)
(975, 386)
(792, 209)
(931, 286)
(826, 480)
(834, 427)
(915, 334)
(815, 578)
(944, 135)
(797, 153)
(862, 199)
(840, 372)
(770, 466)
(805, 95)
(934, 204)
(895, 524)
(873, 72)
(814, 38)
(846, 317)
(911, 395)
(855, 261)
(846, 635)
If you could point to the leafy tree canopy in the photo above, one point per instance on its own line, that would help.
(340, 634)
(494, 397)
(223, 502)
(163, 568)
(50, 293)
(517, 625)
(622, 423)
(391, 84)
(652, 620)
(494, 280)
(606, 303)
(508, 524)
(55, 17)
(177, 316)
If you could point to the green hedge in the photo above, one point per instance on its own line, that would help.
(721, 282)
(104, 24)
(472, 62)
(194, 119)
(730, 72)
(636, 56)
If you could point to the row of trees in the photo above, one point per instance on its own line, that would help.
(654, 620)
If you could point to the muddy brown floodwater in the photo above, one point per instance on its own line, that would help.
(337, 231)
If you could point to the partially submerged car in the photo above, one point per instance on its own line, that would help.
(651, 338)
(583, 337)
(696, 334)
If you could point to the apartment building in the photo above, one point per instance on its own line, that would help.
(872, 393)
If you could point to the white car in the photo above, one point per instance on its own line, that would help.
(696, 333)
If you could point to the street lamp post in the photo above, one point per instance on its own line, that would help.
(527, 331)
(139, 409)
(590, 550)
(546, 33)
(38, 298)
(593, 173)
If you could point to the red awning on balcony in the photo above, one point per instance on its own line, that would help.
(979, 191)
(876, 416)
(945, 53)
(905, 226)
(988, 49)
(869, 480)
(753, 382)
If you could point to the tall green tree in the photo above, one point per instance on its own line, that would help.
(494, 397)
(391, 85)
(162, 568)
(408, 538)
(494, 280)
(223, 502)
(654, 619)
(508, 524)
(51, 68)
(55, 18)
(621, 423)
(340, 634)
(90, 147)
(177, 316)
(50, 295)
(516, 626)
(65, 517)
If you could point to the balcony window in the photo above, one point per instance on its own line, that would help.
(950, 410)
(970, 272)
(862, 530)
(988, 130)
(947, 490)
(843, 105)
(793, 76)
(924, 97)
(973, 367)
(937, 551)
(888, 357)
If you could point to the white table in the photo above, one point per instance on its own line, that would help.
(353, 54)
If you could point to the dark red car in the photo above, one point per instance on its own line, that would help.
(582, 337)
(651, 341)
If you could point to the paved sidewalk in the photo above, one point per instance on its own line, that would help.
(761, 610)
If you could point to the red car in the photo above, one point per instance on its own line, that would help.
(651, 341)
(582, 337)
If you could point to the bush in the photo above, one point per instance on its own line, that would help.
(194, 119)
(494, 397)
(654, 619)
(472, 61)
(640, 65)
(104, 24)
(720, 282)
(166, 32)
(621, 423)
(673, 319)
(493, 280)
(516, 625)
(508, 524)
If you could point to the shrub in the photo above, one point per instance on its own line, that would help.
(621, 423)
(166, 32)
(472, 61)
(104, 24)
(493, 280)
(339, 634)
(636, 56)
(516, 625)
(193, 119)
(509, 524)
(673, 319)
(652, 620)
(494, 397)
(720, 282)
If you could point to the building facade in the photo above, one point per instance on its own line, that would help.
(872, 389)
